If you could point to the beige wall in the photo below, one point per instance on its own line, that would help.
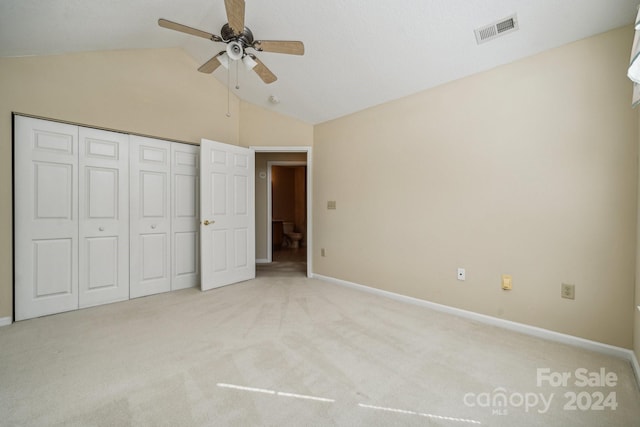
(529, 169)
(262, 127)
(151, 92)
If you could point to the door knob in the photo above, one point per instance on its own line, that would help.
(153, 226)
(207, 222)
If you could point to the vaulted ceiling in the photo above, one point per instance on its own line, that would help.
(358, 53)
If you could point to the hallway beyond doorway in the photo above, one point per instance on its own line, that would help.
(286, 262)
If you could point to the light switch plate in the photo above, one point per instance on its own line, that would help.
(507, 282)
(462, 275)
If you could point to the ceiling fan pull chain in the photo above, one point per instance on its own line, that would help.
(228, 92)
(237, 81)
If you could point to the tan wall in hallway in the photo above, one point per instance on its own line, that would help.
(529, 169)
(155, 92)
(289, 195)
(282, 184)
(300, 192)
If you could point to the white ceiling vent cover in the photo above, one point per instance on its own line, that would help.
(497, 29)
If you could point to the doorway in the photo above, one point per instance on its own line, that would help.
(271, 247)
(286, 211)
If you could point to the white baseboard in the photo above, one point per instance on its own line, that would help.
(5, 321)
(262, 261)
(599, 347)
(636, 367)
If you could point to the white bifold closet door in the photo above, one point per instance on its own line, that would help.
(164, 216)
(185, 241)
(150, 212)
(103, 197)
(45, 217)
(71, 217)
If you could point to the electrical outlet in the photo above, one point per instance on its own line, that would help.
(462, 275)
(322, 252)
(507, 282)
(568, 291)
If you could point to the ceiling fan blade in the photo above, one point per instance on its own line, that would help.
(261, 70)
(235, 15)
(211, 65)
(184, 29)
(279, 46)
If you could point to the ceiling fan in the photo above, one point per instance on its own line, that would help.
(238, 39)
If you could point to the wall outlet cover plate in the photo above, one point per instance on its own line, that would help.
(568, 291)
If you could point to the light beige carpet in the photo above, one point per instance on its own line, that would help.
(283, 350)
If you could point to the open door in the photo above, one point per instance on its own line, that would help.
(227, 214)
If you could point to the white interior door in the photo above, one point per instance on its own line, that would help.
(227, 214)
(46, 217)
(104, 217)
(150, 243)
(185, 242)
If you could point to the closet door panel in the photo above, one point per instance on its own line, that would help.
(104, 217)
(102, 263)
(185, 192)
(53, 267)
(46, 217)
(154, 249)
(150, 178)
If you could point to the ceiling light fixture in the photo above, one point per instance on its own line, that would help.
(238, 39)
(223, 59)
(274, 100)
(249, 62)
(235, 50)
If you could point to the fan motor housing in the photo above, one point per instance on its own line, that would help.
(245, 38)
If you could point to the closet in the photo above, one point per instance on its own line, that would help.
(100, 216)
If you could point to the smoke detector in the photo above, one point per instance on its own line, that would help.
(497, 29)
(274, 100)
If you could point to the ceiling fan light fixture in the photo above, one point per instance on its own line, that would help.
(238, 37)
(235, 50)
(249, 63)
(223, 59)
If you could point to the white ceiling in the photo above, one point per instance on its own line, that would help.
(359, 53)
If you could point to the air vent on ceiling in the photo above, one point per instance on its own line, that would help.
(497, 29)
